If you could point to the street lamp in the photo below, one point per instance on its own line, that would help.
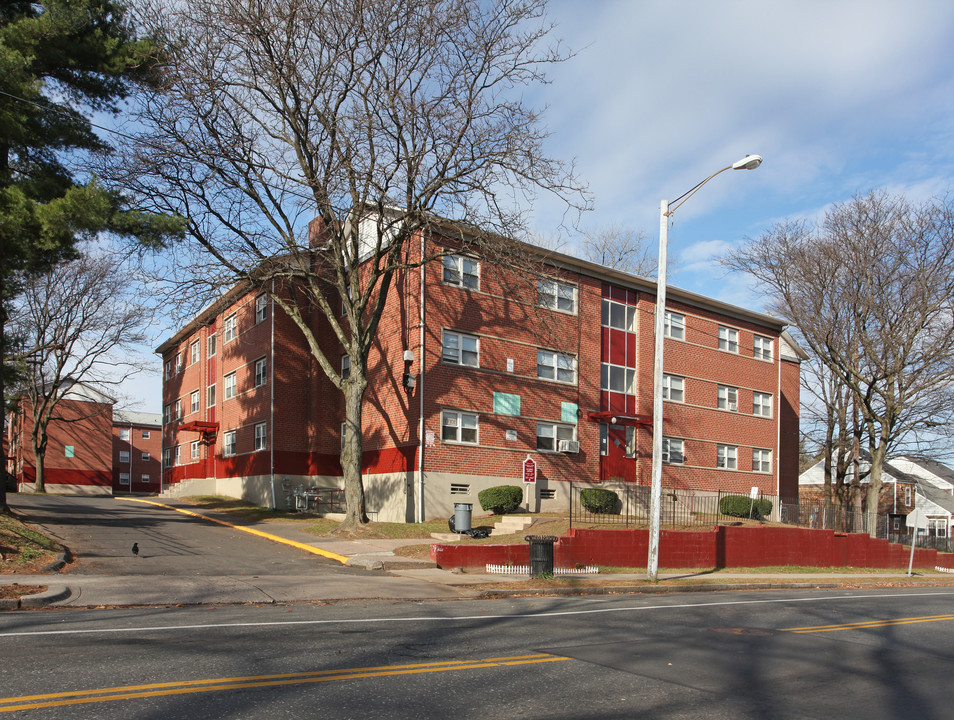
(749, 162)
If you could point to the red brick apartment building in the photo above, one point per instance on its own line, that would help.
(92, 449)
(557, 368)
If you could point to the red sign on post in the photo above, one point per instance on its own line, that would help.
(529, 471)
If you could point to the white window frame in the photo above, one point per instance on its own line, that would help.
(261, 308)
(461, 271)
(167, 414)
(673, 451)
(210, 345)
(674, 388)
(727, 457)
(762, 347)
(261, 372)
(179, 409)
(620, 316)
(455, 355)
(728, 339)
(907, 495)
(195, 354)
(194, 450)
(464, 428)
(179, 363)
(124, 433)
(229, 328)
(210, 396)
(549, 435)
(146, 457)
(261, 436)
(611, 375)
(124, 478)
(124, 456)
(229, 443)
(762, 404)
(230, 382)
(177, 455)
(557, 296)
(167, 457)
(674, 325)
(345, 367)
(146, 434)
(145, 478)
(194, 400)
(168, 369)
(761, 460)
(557, 367)
(728, 398)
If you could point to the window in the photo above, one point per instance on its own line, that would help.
(123, 433)
(261, 308)
(762, 404)
(728, 398)
(728, 339)
(123, 478)
(178, 409)
(550, 434)
(168, 369)
(907, 495)
(194, 353)
(726, 457)
(228, 443)
(145, 435)
(674, 388)
(167, 414)
(556, 366)
(762, 347)
(177, 455)
(674, 326)
(194, 451)
(462, 271)
(167, 457)
(261, 372)
(124, 456)
(345, 367)
(616, 378)
(146, 478)
(194, 402)
(761, 460)
(178, 363)
(230, 386)
(618, 434)
(261, 436)
(937, 527)
(619, 316)
(672, 451)
(210, 396)
(460, 349)
(556, 296)
(229, 329)
(210, 352)
(458, 427)
(146, 457)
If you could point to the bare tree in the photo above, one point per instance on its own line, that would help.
(621, 248)
(870, 291)
(82, 321)
(313, 144)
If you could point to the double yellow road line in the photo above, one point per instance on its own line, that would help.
(869, 624)
(135, 692)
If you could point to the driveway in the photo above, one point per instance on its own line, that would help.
(100, 533)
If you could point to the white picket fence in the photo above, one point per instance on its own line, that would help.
(492, 569)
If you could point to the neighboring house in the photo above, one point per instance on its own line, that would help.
(137, 450)
(78, 458)
(92, 448)
(473, 371)
(935, 494)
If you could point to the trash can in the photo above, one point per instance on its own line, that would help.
(541, 554)
(462, 516)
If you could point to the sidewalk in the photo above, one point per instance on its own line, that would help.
(375, 572)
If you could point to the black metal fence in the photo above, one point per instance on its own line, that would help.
(686, 508)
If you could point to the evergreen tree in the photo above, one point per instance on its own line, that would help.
(61, 61)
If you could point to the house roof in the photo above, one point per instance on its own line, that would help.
(937, 496)
(133, 417)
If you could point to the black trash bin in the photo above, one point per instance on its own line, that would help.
(541, 554)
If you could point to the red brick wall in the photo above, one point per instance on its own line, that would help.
(136, 466)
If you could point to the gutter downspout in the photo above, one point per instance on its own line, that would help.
(271, 398)
(419, 490)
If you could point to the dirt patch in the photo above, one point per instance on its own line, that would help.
(17, 591)
(23, 549)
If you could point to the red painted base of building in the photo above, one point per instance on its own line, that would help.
(722, 547)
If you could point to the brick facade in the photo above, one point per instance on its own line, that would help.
(491, 368)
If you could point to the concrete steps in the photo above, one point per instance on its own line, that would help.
(511, 524)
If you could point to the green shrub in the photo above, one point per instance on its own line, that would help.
(600, 501)
(743, 506)
(501, 499)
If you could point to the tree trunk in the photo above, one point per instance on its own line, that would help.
(39, 456)
(351, 452)
(873, 496)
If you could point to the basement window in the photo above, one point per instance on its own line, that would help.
(460, 489)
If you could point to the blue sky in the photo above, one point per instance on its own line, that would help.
(839, 97)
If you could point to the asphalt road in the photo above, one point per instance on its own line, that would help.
(100, 533)
(824, 654)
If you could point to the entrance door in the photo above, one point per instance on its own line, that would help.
(617, 453)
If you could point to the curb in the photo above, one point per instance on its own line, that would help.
(651, 589)
(49, 597)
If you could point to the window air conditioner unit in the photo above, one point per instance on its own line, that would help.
(733, 407)
(569, 446)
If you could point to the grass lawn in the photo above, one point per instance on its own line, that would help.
(22, 549)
